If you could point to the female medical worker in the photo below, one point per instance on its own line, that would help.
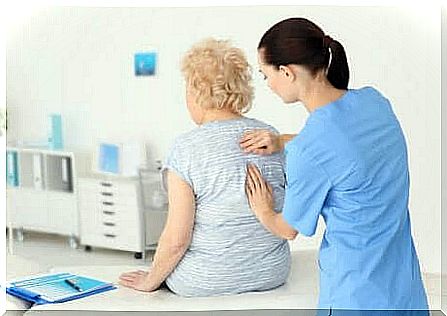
(348, 164)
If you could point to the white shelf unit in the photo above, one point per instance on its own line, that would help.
(44, 198)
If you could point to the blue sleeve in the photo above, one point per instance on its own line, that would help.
(178, 161)
(307, 186)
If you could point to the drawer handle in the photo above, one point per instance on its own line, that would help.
(107, 203)
(106, 184)
(109, 224)
(107, 193)
(110, 235)
(108, 212)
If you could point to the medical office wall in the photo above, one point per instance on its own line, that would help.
(444, 161)
(79, 62)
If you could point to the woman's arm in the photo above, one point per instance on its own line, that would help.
(176, 236)
(260, 197)
(264, 142)
(174, 240)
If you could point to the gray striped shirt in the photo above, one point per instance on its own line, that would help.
(230, 252)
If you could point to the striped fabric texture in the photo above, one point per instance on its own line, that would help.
(231, 252)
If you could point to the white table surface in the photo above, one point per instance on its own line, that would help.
(300, 292)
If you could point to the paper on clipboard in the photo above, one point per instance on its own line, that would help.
(54, 287)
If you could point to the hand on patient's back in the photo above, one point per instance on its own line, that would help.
(259, 192)
(137, 280)
(261, 142)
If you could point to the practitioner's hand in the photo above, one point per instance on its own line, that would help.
(261, 142)
(138, 280)
(259, 193)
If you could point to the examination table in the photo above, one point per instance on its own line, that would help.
(299, 292)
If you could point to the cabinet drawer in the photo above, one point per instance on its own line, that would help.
(106, 202)
(114, 241)
(109, 216)
(126, 210)
(100, 197)
(118, 194)
(122, 242)
(109, 225)
(120, 228)
(111, 230)
(123, 196)
(113, 188)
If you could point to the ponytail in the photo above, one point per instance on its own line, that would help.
(338, 70)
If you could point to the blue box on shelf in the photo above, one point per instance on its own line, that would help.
(55, 132)
(12, 177)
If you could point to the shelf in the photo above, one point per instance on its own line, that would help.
(59, 173)
(31, 170)
(41, 190)
(40, 169)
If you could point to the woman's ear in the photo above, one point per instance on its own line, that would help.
(287, 72)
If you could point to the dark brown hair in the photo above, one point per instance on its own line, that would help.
(301, 42)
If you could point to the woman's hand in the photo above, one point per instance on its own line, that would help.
(259, 193)
(261, 142)
(138, 280)
(260, 198)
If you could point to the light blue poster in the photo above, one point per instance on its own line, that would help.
(145, 64)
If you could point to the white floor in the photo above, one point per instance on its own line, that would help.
(44, 251)
(38, 253)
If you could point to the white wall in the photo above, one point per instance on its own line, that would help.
(444, 163)
(79, 62)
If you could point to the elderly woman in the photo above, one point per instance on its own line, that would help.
(212, 243)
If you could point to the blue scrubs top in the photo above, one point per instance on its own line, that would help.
(349, 165)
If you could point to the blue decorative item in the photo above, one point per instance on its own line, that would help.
(109, 158)
(12, 177)
(145, 64)
(55, 132)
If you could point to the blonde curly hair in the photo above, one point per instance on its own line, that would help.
(219, 75)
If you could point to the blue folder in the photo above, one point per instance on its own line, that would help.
(56, 288)
(12, 177)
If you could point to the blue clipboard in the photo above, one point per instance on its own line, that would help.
(23, 288)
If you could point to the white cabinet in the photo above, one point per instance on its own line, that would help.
(46, 194)
(41, 191)
(59, 206)
(30, 209)
(111, 214)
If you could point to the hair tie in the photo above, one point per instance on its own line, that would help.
(327, 40)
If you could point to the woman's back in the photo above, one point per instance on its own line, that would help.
(230, 251)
